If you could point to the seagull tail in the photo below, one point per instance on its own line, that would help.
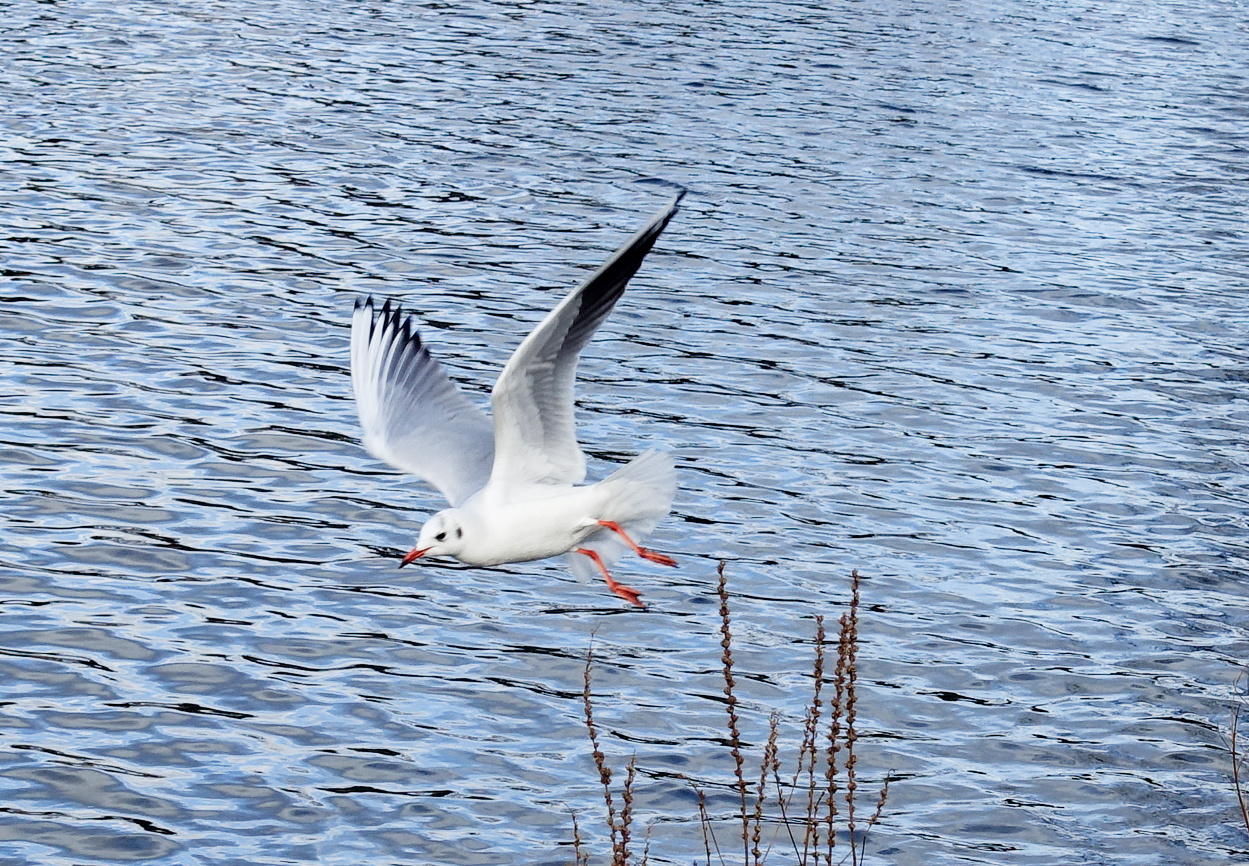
(639, 496)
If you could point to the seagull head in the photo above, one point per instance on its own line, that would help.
(442, 535)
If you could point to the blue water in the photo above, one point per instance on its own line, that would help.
(956, 299)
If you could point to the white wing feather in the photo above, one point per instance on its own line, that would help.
(414, 417)
(535, 437)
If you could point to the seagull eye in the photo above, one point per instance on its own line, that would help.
(442, 536)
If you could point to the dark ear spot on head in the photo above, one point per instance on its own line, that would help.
(459, 533)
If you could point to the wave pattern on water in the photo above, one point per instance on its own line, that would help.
(954, 301)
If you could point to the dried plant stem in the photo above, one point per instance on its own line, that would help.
(770, 764)
(880, 807)
(581, 856)
(626, 812)
(1238, 760)
(782, 803)
(808, 752)
(834, 744)
(600, 761)
(735, 738)
(851, 627)
(709, 838)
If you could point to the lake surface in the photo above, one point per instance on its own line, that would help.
(956, 299)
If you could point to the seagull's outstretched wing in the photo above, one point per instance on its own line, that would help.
(532, 402)
(413, 416)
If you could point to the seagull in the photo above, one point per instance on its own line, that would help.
(515, 483)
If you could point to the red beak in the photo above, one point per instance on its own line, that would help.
(413, 554)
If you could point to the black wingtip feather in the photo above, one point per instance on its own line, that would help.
(601, 291)
(394, 317)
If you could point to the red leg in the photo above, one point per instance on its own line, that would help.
(628, 594)
(640, 551)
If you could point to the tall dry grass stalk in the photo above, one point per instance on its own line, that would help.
(1239, 761)
(581, 855)
(618, 827)
(730, 705)
(823, 779)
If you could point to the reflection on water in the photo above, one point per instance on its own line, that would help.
(953, 302)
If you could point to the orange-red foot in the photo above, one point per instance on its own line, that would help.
(643, 552)
(627, 593)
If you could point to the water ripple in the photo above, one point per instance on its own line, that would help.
(951, 302)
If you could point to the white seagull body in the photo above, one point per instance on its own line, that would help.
(514, 484)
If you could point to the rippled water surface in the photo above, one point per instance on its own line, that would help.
(957, 299)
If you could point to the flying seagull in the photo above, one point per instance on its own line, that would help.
(515, 483)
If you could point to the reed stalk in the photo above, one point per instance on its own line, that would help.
(1238, 763)
(600, 760)
(769, 765)
(850, 639)
(730, 704)
(580, 854)
(808, 752)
